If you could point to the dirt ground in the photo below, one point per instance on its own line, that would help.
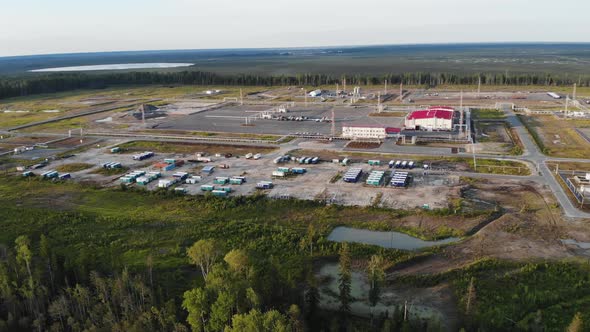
(529, 227)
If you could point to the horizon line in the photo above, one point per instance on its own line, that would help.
(300, 47)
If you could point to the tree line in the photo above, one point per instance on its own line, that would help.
(59, 82)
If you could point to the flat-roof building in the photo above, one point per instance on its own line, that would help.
(369, 131)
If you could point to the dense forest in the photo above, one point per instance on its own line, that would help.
(49, 83)
(82, 258)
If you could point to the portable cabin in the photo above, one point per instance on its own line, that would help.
(236, 181)
(391, 163)
(264, 185)
(257, 156)
(65, 176)
(180, 175)
(27, 174)
(375, 178)
(374, 162)
(169, 167)
(278, 160)
(345, 162)
(299, 170)
(154, 175)
(249, 156)
(284, 169)
(165, 183)
(404, 164)
(49, 175)
(180, 190)
(143, 180)
(352, 175)
(315, 160)
(278, 174)
(170, 161)
(219, 193)
(398, 164)
(411, 165)
(207, 187)
(226, 189)
(116, 149)
(127, 179)
(221, 180)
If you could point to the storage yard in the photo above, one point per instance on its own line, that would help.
(276, 175)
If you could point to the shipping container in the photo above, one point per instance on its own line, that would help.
(226, 189)
(169, 167)
(170, 161)
(278, 174)
(27, 174)
(374, 162)
(284, 169)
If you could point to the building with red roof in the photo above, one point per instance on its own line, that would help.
(433, 118)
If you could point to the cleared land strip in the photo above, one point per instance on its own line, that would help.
(83, 113)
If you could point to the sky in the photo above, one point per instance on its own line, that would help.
(67, 26)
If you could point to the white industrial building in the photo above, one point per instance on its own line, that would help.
(354, 131)
(434, 118)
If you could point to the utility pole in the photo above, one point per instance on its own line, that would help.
(385, 89)
(406, 310)
(379, 106)
(567, 102)
(574, 96)
(401, 91)
(241, 97)
(478, 86)
(344, 84)
(461, 112)
(305, 95)
(473, 153)
(333, 123)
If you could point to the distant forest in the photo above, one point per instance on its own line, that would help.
(50, 83)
